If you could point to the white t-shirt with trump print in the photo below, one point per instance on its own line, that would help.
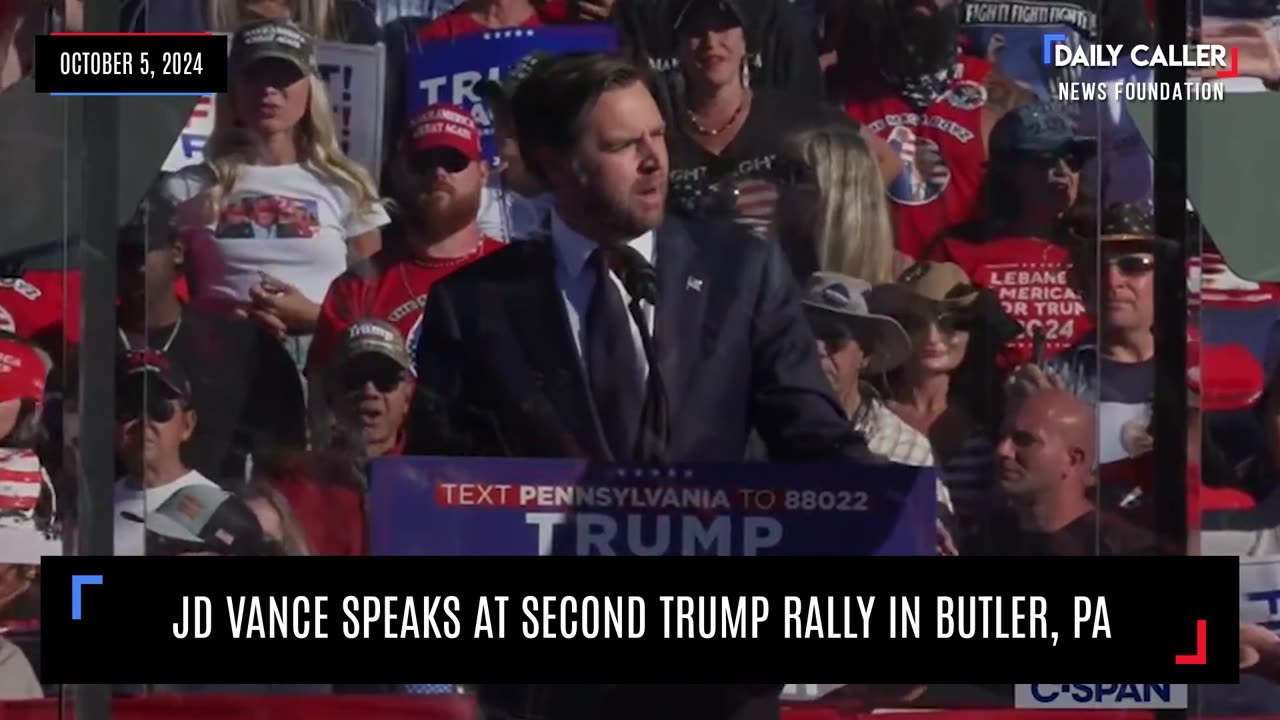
(280, 220)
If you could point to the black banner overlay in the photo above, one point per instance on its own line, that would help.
(1157, 610)
(131, 63)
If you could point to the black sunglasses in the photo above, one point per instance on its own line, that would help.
(139, 396)
(947, 322)
(1132, 265)
(830, 331)
(159, 408)
(1075, 161)
(384, 374)
(427, 162)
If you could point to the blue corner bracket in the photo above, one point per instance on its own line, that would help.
(77, 584)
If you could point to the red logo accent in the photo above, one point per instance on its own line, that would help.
(1199, 658)
(1234, 70)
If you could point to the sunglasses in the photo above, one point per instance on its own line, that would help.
(158, 408)
(1132, 265)
(947, 323)
(385, 376)
(1075, 162)
(428, 161)
(829, 331)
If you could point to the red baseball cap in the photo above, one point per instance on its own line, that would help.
(1224, 377)
(24, 370)
(444, 126)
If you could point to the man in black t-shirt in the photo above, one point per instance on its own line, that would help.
(1047, 461)
(245, 388)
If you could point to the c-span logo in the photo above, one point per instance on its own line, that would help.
(1100, 697)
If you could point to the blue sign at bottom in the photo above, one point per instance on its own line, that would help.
(501, 506)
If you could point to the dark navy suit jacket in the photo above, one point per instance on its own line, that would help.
(504, 377)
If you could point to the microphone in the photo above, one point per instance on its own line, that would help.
(640, 278)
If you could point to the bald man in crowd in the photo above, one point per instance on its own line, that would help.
(1047, 472)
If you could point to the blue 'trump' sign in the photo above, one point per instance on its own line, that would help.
(448, 70)
(500, 506)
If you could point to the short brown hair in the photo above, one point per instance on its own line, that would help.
(549, 106)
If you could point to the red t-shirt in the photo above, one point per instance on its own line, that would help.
(327, 503)
(460, 22)
(1032, 279)
(383, 288)
(942, 150)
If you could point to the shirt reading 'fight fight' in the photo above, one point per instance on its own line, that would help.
(942, 150)
(387, 287)
(1011, 34)
(753, 151)
(1032, 279)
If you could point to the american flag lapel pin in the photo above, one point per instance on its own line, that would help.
(693, 283)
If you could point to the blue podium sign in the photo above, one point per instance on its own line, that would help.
(501, 506)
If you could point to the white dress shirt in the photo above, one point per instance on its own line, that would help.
(576, 278)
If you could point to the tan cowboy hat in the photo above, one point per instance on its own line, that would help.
(926, 288)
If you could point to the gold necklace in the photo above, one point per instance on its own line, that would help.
(438, 263)
(701, 129)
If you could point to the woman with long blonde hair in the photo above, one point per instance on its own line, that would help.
(283, 210)
(275, 515)
(833, 215)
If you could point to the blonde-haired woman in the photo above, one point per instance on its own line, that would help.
(833, 215)
(282, 211)
(276, 517)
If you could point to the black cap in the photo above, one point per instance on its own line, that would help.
(1037, 128)
(149, 362)
(692, 9)
(279, 39)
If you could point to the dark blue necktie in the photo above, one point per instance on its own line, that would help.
(613, 364)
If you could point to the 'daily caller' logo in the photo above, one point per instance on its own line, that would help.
(1225, 61)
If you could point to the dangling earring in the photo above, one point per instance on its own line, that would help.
(746, 74)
